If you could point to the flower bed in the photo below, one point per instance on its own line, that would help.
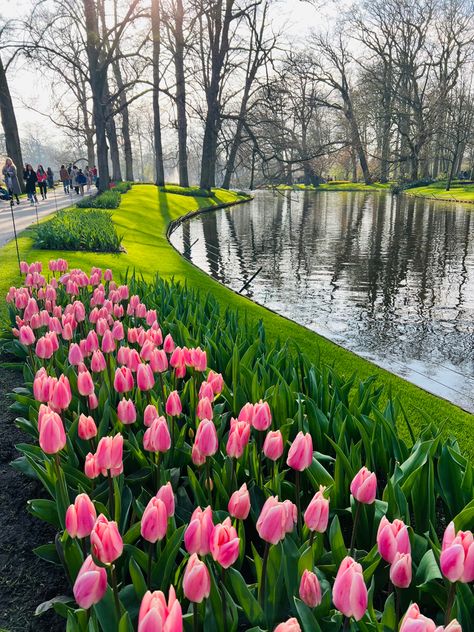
(262, 490)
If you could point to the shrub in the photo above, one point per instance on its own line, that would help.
(122, 187)
(79, 229)
(107, 199)
(193, 191)
(398, 187)
(120, 437)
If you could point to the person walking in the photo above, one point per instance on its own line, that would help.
(74, 172)
(50, 174)
(81, 181)
(42, 177)
(89, 176)
(64, 177)
(11, 179)
(30, 178)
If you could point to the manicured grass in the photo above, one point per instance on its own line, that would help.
(459, 192)
(143, 217)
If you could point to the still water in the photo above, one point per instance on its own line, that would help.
(388, 277)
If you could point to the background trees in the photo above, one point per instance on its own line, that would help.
(381, 92)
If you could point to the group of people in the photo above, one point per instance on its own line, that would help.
(71, 178)
(74, 178)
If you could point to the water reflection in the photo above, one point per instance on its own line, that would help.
(391, 278)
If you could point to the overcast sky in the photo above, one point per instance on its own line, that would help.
(30, 87)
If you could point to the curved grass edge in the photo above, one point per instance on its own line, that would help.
(144, 217)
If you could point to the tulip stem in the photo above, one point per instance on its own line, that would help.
(195, 617)
(298, 501)
(111, 494)
(264, 572)
(260, 450)
(208, 476)
(354, 528)
(162, 386)
(113, 578)
(151, 549)
(224, 604)
(450, 602)
(346, 624)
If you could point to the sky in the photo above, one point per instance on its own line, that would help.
(30, 88)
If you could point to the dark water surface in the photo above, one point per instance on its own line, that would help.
(388, 277)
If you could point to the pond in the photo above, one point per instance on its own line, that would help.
(388, 277)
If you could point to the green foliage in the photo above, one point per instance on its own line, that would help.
(193, 191)
(404, 186)
(79, 229)
(122, 187)
(107, 199)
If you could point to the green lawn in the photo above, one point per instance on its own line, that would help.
(459, 192)
(143, 217)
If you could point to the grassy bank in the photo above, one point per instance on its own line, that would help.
(143, 218)
(336, 186)
(459, 192)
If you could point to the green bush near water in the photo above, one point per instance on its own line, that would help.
(79, 229)
(194, 191)
(123, 187)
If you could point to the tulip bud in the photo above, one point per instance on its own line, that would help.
(154, 521)
(216, 381)
(262, 417)
(364, 486)
(149, 415)
(457, 555)
(90, 585)
(239, 503)
(310, 589)
(204, 409)
(165, 493)
(392, 538)
(157, 437)
(224, 544)
(80, 517)
(157, 615)
(75, 356)
(400, 570)
(52, 437)
(273, 445)
(414, 620)
(173, 404)
(206, 438)
(196, 580)
(126, 411)
(145, 378)
(86, 428)
(85, 383)
(26, 337)
(198, 532)
(106, 541)
(317, 514)
(349, 591)
(300, 455)
(291, 625)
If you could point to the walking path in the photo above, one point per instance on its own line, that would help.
(25, 213)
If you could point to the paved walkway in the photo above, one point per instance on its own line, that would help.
(25, 213)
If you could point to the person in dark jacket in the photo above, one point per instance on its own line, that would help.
(11, 179)
(81, 181)
(64, 177)
(30, 178)
(42, 178)
(50, 174)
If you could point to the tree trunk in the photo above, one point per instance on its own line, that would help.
(113, 144)
(230, 167)
(356, 140)
(10, 127)
(252, 170)
(125, 129)
(209, 145)
(98, 82)
(155, 32)
(181, 97)
(90, 149)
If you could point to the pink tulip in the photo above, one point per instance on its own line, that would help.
(291, 625)
(168, 344)
(92, 342)
(52, 437)
(106, 541)
(216, 381)
(273, 445)
(173, 404)
(206, 438)
(204, 409)
(196, 457)
(239, 436)
(246, 413)
(316, 515)
(41, 385)
(165, 494)
(300, 455)
(80, 517)
(350, 592)
(198, 532)
(413, 621)
(75, 355)
(109, 455)
(400, 570)
(85, 383)
(205, 390)
(159, 361)
(310, 589)
(123, 381)
(44, 348)
(122, 355)
(239, 503)
(93, 401)
(98, 363)
(117, 330)
(199, 359)
(392, 538)
(108, 342)
(453, 626)
(457, 555)
(26, 337)
(273, 522)
(149, 415)
(91, 469)
(262, 417)
(133, 360)
(364, 486)
(90, 585)
(156, 615)
(154, 521)
(224, 543)
(126, 411)
(86, 428)
(145, 377)
(60, 394)
(157, 437)
(196, 580)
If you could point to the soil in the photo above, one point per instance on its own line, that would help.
(25, 580)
